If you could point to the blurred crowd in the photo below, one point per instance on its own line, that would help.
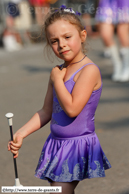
(19, 19)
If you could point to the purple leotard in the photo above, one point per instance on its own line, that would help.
(72, 150)
(113, 11)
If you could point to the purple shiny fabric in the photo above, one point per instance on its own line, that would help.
(113, 11)
(72, 151)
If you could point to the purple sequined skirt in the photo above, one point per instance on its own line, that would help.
(70, 159)
(113, 11)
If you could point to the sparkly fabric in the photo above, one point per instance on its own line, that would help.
(72, 150)
(113, 11)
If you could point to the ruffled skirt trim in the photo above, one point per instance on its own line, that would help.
(67, 160)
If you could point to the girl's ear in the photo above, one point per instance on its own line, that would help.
(83, 35)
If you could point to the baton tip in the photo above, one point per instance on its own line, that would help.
(9, 115)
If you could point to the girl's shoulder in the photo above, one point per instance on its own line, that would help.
(89, 66)
(91, 69)
(91, 73)
(88, 71)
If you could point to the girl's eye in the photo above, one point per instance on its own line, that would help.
(54, 41)
(68, 37)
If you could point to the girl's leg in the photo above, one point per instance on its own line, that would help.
(107, 34)
(67, 188)
(123, 34)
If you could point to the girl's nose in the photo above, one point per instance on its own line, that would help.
(61, 43)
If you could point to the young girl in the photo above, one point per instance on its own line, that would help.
(72, 151)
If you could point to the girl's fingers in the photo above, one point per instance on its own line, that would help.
(16, 155)
(14, 148)
(17, 145)
(9, 146)
(14, 152)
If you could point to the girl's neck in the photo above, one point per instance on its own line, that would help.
(75, 61)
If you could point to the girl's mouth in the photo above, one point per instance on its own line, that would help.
(64, 52)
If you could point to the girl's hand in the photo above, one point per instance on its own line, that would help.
(16, 144)
(57, 74)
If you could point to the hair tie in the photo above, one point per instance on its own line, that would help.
(70, 10)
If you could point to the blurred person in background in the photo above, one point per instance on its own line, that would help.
(88, 9)
(23, 22)
(111, 14)
(11, 39)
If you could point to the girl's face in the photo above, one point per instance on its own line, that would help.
(65, 40)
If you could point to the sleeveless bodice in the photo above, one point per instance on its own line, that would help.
(62, 126)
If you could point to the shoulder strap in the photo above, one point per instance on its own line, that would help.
(80, 69)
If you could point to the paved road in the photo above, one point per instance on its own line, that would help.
(23, 82)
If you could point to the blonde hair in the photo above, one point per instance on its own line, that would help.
(72, 18)
(57, 14)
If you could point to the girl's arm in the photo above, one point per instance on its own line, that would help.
(41, 118)
(73, 103)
